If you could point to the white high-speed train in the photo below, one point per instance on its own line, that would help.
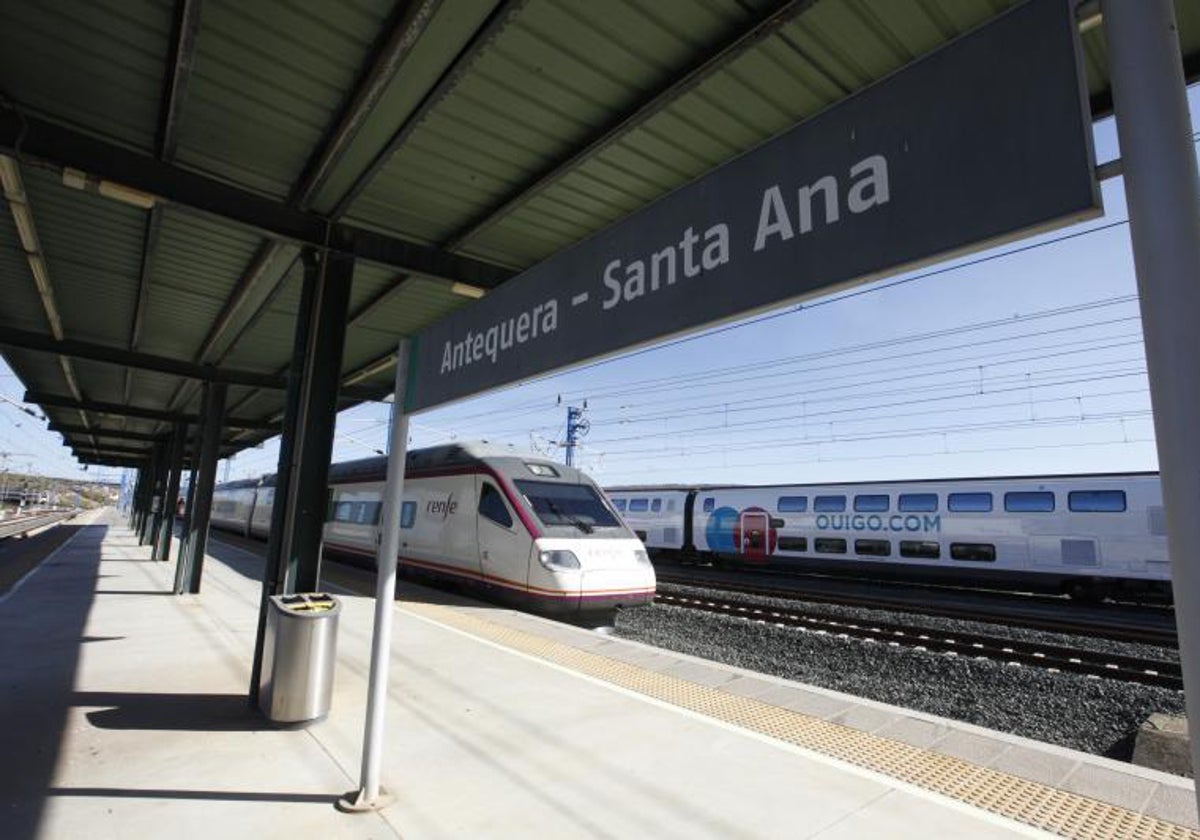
(1089, 536)
(520, 529)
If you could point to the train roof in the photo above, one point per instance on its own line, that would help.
(449, 456)
(702, 488)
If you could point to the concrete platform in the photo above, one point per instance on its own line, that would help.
(124, 716)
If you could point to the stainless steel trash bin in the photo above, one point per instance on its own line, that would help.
(299, 653)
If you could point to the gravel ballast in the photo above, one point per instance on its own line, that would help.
(1098, 716)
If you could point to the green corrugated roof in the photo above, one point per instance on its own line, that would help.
(524, 84)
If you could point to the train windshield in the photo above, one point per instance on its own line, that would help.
(570, 505)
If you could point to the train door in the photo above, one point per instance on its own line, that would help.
(754, 528)
(503, 543)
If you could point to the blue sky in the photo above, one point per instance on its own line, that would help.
(1022, 360)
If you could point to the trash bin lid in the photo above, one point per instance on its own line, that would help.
(306, 603)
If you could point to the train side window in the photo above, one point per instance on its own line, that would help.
(973, 552)
(656, 505)
(709, 503)
(918, 502)
(492, 506)
(1096, 501)
(924, 549)
(670, 505)
(343, 512)
(1023, 501)
(793, 543)
(873, 548)
(639, 505)
(969, 502)
(829, 545)
(792, 504)
(408, 514)
(871, 504)
(619, 504)
(829, 504)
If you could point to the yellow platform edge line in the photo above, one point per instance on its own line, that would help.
(1021, 800)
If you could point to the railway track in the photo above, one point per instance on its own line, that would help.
(1145, 671)
(1156, 627)
(25, 524)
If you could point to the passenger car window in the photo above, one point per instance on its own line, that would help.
(1096, 501)
(829, 504)
(708, 504)
(792, 504)
(492, 506)
(918, 502)
(656, 505)
(871, 504)
(619, 504)
(969, 502)
(639, 505)
(1041, 501)
(973, 552)
(408, 514)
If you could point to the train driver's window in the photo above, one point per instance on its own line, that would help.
(1040, 501)
(969, 502)
(491, 506)
(408, 514)
(918, 502)
(1096, 501)
(709, 504)
(829, 504)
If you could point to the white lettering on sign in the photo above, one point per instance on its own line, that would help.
(822, 202)
(663, 265)
(869, 191)
(498, 338)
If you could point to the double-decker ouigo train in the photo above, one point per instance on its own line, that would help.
(517, 529)
(1089, 536)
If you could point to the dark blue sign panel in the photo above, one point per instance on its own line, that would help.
(986, 139)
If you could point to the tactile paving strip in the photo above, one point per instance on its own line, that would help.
(1041, 806)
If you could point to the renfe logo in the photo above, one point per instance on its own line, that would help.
(443, 509)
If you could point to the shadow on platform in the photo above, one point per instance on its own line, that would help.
(172, 712)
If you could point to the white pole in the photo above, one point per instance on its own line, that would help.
(1162, 188)
(370, 796)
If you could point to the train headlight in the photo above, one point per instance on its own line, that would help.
(559, 561)
(642, 558)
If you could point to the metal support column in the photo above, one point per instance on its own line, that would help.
(158, 494)
(133, 500)
(146, 532)
(210, 446)
(189, 507)
(273, 580)
(162, 547)
(321, 377)
(370, 796)
(1162, 189)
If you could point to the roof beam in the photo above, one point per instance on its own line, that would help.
(115, 434)
(118, 410)
(711, 60)
(495, 22)
(183, 52)
(409, 21)
(32, 138)
(25, 340)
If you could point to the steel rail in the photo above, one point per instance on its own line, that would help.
(1136, 669)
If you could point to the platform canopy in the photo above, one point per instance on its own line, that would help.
(164, 165)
